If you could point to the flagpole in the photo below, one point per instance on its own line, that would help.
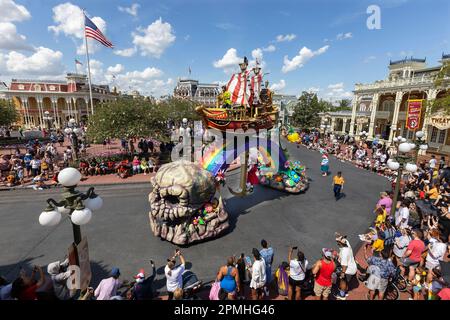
(89, 69)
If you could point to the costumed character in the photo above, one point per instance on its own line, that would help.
(325, 165)
(252, 177)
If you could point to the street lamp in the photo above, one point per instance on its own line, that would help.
(403, 161)
(48, 118)
(73, 131)
(72, 204)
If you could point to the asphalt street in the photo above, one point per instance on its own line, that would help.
(119, 234)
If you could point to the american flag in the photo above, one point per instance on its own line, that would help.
(78, 62)
(92, 31)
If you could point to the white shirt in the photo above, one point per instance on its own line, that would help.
(347, 259)
(433, 163)
(400, 245)
(35, 163)
(438, 250)
(297, 271)
(174, 280)
(258, 274)
(402, 213)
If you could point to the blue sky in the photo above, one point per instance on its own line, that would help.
(322, 45)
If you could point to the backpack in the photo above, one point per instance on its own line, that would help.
(282, 280)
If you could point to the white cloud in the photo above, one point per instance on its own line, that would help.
(133, 10)
(69, 20)
(313, 89)
(369, 58)
(126, 52)
(283, 38)
(155, 39)
(43, 62)
(229, 61)
(270, 48)
(118, 68)
(278, 86)
(343, 36)
(10, 11)
(10, 39)
(304, 55)
(187, 37)
(336, 91)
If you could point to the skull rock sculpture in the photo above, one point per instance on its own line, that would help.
(183, 204)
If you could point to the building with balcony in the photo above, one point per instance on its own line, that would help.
(380, 108)
(62, 99)
(286, 105)
(201, 93)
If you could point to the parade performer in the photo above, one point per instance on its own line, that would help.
(255, 85)
(324, 165)
(338, 185)
(252, 177)
(238, 86)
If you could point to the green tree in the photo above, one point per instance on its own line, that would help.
(441, 82)
(126, 118)
(307, 109)
(8, 113)
(344, 105)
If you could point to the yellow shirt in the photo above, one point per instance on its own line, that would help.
(433, 193)
(338, 180)
(378, 245)
(381, 218)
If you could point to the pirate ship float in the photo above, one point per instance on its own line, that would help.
(243, 104)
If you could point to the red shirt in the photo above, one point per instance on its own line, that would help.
(29, 293)
(324, 276)
(417, 247)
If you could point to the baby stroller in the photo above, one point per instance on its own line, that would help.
(191, 285)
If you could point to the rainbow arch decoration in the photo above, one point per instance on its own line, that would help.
(219, 159)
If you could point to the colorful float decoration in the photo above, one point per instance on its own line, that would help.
(291, 179)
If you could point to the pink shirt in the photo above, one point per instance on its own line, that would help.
(387, 202)
(107, 289)
(417, 247)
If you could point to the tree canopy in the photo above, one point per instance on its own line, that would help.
(307, 109)
(441, 82)
(8, 113)
(126, 118)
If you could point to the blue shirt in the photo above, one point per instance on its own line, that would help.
(385, 267)
(267, 255)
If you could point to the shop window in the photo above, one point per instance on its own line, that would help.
(437, 136)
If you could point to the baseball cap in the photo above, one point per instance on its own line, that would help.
(140, 276)
(327, 253)
(115, 272)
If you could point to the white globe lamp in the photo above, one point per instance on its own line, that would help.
(49, 218)
(423, 147)
(412, 146)
(94, 203)
(69, 177)
(411, 167)
(63, 210)
(393, 165)
(81, 216)
(420, 134)
(404, 147)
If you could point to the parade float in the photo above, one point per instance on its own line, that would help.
(186, 205)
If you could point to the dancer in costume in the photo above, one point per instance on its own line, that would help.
(325, 165)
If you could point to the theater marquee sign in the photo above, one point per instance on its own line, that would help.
(440, 121)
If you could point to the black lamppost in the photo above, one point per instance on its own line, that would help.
(403, 160)
(73, 131)
(77, 205)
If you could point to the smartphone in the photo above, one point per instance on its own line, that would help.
(294, 248)
(151, 262)
(248, 261)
